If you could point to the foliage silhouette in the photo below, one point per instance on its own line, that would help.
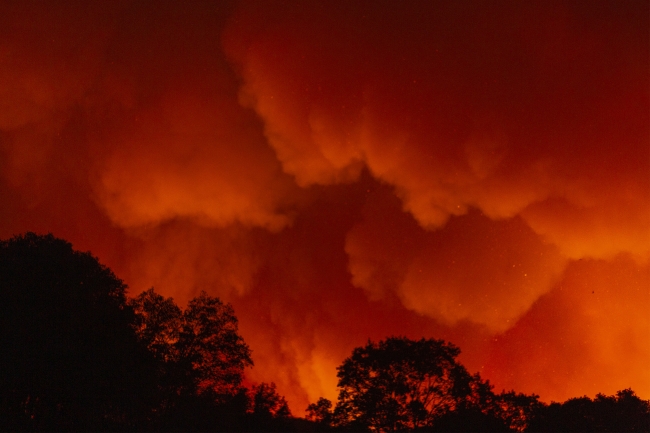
(400, 384)
(76, 355)
(268, 411)
(201, 357)
(515, 409)
(623, 412)
(321, 412)
(199, 347)
(268, 403)
(69, 359)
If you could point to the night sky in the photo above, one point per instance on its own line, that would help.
(476, 171)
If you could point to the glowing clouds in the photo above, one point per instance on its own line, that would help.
(351, 170)
(454, 119)
(510, 141)
(595, 320)
(477, 270)
(181, 258)
(194, 158)
(176, 143)
(491, 276)
(599, 230)
(309, 113)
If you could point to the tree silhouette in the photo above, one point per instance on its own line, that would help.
(76, 355)
(210, 342)
(69, 359)
(158, 324)
(401, 384)
(321, 412)
(268, 411)
(199, 347)
(201, 360)
(267, 402)
(515, 409)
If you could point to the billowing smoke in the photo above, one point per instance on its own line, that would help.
(479, 270)
(350, 170)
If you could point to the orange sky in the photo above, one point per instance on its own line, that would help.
(338, 171)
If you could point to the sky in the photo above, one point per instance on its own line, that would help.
(339, 171)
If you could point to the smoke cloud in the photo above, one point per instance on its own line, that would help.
(351, 170)
(479, 270)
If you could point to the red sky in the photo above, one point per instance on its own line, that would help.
(338, 171)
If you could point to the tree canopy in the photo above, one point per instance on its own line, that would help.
(68, 356)
(75, 354)
(199, 348)
(401, 384)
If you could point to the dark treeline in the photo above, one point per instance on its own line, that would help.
(77, 354)
(405, 385)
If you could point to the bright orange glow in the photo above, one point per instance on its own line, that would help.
(604, 329)
(431, 169)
